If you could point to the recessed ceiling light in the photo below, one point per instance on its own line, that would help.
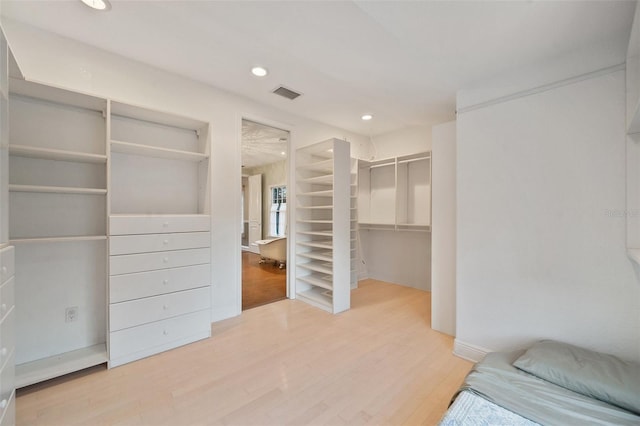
(283, 153)
(258, 71)
(97, 4)
(367, 117)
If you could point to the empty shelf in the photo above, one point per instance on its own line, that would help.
(325, 268)
(58, 239)
(325, 244)
(56, 189)
(325, 256)
(318, 280)
(55, 154)
(153, 151)
(318, 297)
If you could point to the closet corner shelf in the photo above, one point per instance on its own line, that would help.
(67, 239)
(634, 254)
(157, 152)
(55, 154)
(58, 365)
(56, 189)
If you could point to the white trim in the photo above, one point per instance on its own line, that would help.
(468, 351)
(543, 88)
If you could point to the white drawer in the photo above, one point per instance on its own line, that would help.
(7, 337)
(142, 224)
(129, 263)
(7, 382)
(126, 244)
(7, 262)
(143, 284)
(7, 296)
(142, 311)
(8, 413)
(137, 342)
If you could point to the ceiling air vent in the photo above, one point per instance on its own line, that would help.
(286, 93)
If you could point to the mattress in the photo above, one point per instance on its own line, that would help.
(469, 409)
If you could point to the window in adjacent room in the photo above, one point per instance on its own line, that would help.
(278, 213)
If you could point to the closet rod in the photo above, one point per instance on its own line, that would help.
(414, 159)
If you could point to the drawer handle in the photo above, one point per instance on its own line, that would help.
(165, 224)
(165, 332)
(165, 307)
(165, 242)
(165, 282)
(165, 259)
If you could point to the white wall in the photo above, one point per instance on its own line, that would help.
(61, 62)
(443, 228)
(401, 142)
(537, 255)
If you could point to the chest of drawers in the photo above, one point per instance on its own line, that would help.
(159, 284)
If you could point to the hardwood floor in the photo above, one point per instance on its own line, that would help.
(262, 283)
(285, 363)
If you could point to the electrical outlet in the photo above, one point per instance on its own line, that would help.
(71, 314)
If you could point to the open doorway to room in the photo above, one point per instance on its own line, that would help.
(264, 214)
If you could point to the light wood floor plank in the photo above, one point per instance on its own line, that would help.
(277, 364)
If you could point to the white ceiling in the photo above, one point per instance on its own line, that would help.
(402, 61)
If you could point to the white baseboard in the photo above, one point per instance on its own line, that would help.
(222, 313)
(468, 351)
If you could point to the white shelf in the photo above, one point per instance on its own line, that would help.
(325, 256)
(56, 189)
(316, 297)
(55, 154)
(327, 193)
(318, 280)
(157, 152)
(314, 221)
(68, 239)
(318, 180)
(58, 365)
(321, 233)
(327, 207)
(324, 267)
(324, 244)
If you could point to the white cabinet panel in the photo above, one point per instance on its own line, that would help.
(129, 263)
(143, 224)
(143, 284)
(9, 413)
(7, 296)
(128, 244)
(141, 311)
(7, 382)
(137, 342)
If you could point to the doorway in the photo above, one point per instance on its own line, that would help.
(264, 214)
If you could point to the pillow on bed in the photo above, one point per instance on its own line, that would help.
(590, 373)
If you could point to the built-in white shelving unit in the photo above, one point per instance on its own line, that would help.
(395, 193)
(632, 212)
(159, 232)
(324, 225)
(7, 259)
(57, 203)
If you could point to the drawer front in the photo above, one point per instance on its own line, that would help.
(7, 262)
(157, 334)
(128, 244)
(144, 284)
(7, 297)
(129, 263)
(123, 225)
(9, 412)
(7, 337)
(142, 311)
(7, 382)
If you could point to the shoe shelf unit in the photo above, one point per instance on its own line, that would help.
(394, 194)
(57, 209)
(159, 231)
(324, 240)
(7, 259)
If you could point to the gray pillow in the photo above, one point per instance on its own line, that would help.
(590, 373)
